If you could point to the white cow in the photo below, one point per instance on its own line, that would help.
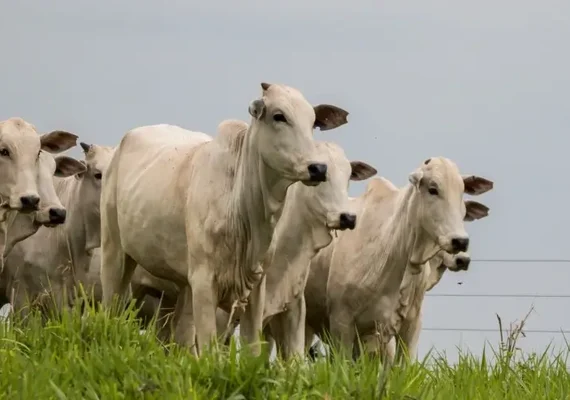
(51, 212)
(415, 286)
(20, 147)
(307, 220)
(202, 214)
(58, 258)
(354, 285)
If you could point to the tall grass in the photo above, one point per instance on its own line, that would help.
(92, 354)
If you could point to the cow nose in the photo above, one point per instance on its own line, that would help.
(29, 203)
(347, 221)
(462, 263)
(57, 215)
(318, 172)
(460, 244)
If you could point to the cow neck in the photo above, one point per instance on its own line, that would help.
(297, 238)
(401, 237)
(258, 194)
(70, 192)
(412, 292)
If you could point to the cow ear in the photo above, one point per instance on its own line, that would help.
(475, 210)
(257, 109)
(328, 117)
(476, 185)
(361, 171)
(66, 166)
(58, 141)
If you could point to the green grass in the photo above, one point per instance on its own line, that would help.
(98, 356)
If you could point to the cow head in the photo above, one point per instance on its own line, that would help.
(51, 212)
(441, 209)
(329, 201)
(97, 159)
(282, 126)
(460, 261)
(20, 148)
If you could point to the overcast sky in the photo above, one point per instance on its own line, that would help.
(485, 83)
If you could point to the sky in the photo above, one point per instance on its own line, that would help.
(484, 83)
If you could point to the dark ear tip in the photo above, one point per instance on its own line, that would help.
(84, 146)
(265, 85)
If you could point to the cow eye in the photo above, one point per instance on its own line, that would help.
(433, 191)
(279, 118)
(98, 175)
(4, 152)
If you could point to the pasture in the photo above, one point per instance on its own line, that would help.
(93, 355)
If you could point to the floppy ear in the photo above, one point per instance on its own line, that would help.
(328, 117)
(67, 166)
(361, 171)
(415, 177)
(58, 141)
(476, 185)
(257, 109)
(475, 210)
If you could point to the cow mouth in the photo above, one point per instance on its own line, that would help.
(310, 182)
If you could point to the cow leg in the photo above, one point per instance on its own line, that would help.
(185, 328)
(117, 268)
(222, 321)
(291, 324)
(251, 322)
(342, 329)
(270, 338)
(204, 301)
(410, 336)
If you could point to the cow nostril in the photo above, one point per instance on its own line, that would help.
(57, 215)
(29, 202)
(462, 263)
(460, 244)
(347, 221)
(317, 172)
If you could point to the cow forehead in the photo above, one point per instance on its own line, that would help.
(338, 164)
(289, 100)
(99, 156)
(16, 129)
(445, 172)
(46, 162)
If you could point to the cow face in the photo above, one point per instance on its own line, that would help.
(441, 211)
(329, 200)
(282, 126)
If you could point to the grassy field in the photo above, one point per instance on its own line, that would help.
(96, 356)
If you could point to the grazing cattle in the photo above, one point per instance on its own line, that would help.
(62, 254)
(308, 218)
(202, 214)
(354, 286)
(20, 149)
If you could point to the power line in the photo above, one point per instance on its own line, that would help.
(521, 260)
(495, 330)
(526, 295)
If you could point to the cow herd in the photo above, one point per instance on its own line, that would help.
(253, 226)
